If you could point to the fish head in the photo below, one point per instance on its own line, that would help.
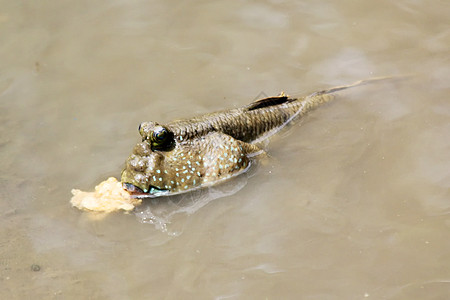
(144, 174)
(137, 176)
(165, 164)
(159, 166)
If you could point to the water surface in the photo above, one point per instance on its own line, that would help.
(353, 202)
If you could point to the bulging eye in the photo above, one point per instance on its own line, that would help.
(162, 139)
(160, 134)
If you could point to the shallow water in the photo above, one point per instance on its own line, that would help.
(353, 202)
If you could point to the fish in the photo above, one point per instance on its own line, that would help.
(188, 154)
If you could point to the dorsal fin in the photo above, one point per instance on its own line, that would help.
(271, 101)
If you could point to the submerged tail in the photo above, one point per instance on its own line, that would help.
(315, 99)
(361, 83)
(303, 105)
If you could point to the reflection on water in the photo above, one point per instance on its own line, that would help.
(161, 211)
(352, 203)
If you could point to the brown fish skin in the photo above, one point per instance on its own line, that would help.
(192, 153)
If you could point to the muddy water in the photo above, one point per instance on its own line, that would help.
(352, 203)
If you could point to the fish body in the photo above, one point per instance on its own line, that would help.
(193, 153)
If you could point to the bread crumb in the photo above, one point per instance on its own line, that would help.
(109, 196)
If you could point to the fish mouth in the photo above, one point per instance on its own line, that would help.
(137, 192)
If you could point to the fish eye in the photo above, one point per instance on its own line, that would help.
(160, 134)
(161, 139)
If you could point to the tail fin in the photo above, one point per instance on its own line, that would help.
(361, 83)
(314, 100)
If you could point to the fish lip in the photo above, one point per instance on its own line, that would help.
(133, 190)
(137, 192)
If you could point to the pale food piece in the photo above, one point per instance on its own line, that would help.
(109, 196)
